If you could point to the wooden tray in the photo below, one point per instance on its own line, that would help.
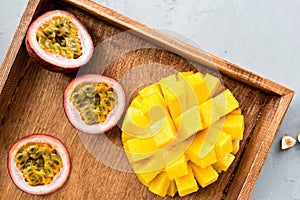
(31, 102)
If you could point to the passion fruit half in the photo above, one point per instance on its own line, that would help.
(59, 41)
(94, 103)
(38, 164)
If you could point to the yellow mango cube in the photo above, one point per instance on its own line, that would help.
(199, 88)
(147, 177)
(138, 148)
(223, 145)
(172, 189)
(147, 91)
(204, 176)
(177, 168)
(235, 146)
(149, 165)
(183, 75)
(237, 111)
(168, 80)
(186, 184)
(136, 123)
(163, 131)
(223, 163)
(225, 103)
(125, 137)
(175, 97)
(137, 102)
(142, 180)
(154, 107)
(188, 123)
(208, 160)
(208, 112)
(234, 125)
(160, 184)
(203, 143)
(213, 84)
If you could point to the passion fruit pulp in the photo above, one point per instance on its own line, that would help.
(59, 41)
(38, 164)
(94, 103)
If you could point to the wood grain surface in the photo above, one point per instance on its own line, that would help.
(31, 102)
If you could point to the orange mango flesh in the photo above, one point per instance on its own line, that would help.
(186, 126)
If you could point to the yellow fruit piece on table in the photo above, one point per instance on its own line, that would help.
(136, 123)
(188, 123)
(140, 148)
(125, 137)
(215, 108)
(213, 83)
(147, 177)
(223, 145)
(148, 165)
(160, 184)
(168, 80)
(175, 97)
(204, 176)
(142, 180)
(237, 111)
(223, 163)
(147, 91)
(154, 107)
(172, 189)
(208, 160)
(186, 184)
(234, 125)
(204, 142)
(225, 103)
(163, 131)
(235, 146)
(199, 89)
(177, 168)
(183, 75)
(137, 102)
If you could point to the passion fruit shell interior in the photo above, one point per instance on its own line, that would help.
(60, 36)
(39, 163)
(94, 101)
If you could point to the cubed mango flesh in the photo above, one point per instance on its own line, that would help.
(208, 160)
(140, 148)
(147, 177)
(223, 163)
(199, 88)
(223, 145)
(213, 84)
(147, 91)
(235, 146)
(160, 184)
(163, 131)
(188, 123)
(205, 176)
(186, 184)
(234, 125)
(172, 189)
(177, 168)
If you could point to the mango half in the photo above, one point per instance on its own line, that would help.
(182, 132)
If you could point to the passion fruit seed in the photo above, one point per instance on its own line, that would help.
(94, 101)
(38, 162)
(60, 36)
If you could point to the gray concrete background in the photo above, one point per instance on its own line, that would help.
(260, 35)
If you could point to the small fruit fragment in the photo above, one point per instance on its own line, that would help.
(223, 163)
(59, 41)
(178, 168)
(38, 164)
(287, 142)
(186, 184)
(223, 145)
(172, 189)
(160, 184)
(94, 103)
(235, 146)
(204, 176)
